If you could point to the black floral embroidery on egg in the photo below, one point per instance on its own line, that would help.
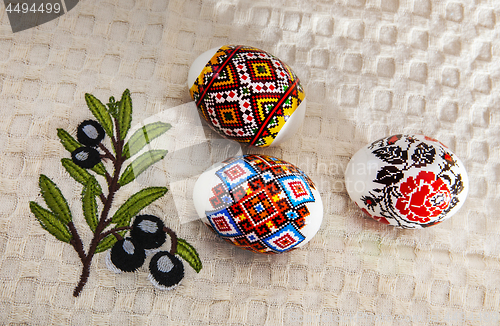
(454, 202)
(448, 158)
(424, 154)
(387, 141)
(389, 175)
(454, 180)
(387, 206)
(370, 202)
(393, 139)
(458, 186)
(392, 154)
(377, 143)
(410, 139)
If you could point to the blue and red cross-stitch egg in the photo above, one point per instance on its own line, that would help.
(409, 181)
(259, 203)
(247, 95)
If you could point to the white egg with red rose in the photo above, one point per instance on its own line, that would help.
(408, 181)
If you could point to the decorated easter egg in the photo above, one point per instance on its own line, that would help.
(409, 181)
(247, 95)
(259, 203)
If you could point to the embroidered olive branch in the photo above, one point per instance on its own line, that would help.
(104, 221)
(113, 120)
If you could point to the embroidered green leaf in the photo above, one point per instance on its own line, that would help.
(140, 164)
(79, 174)
(67, 140)
(89, 203)
(112, 107)
(135, 204)
(189, 254)
(144, 136)
(50, 222)
(108, 242)
(54, 199)
(71, 144)
(100, 113)
(124, 114)
(99, 169)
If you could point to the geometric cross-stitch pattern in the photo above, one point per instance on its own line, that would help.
(285, 239)
(247, 94)
(223, 223)
(260, 203)
(298, 189)
(221, 197)
(235, 173)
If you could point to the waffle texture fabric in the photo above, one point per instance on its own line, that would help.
(370, 68)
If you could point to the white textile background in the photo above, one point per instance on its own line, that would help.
(370, 68)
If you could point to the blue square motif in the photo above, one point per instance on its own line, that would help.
(235, 173)
(291, 215)
(297, 190)
(227, 200)
(252, 237)
(258, 208)
(223, 223)
(267, 176)
(285, 239)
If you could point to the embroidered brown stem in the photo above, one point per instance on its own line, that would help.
(76, 242)
(107, 153)
(117, 235)
(173, 239)
(108, 178)
(113, 187)
(113, 231)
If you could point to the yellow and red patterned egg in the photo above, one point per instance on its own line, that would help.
(247, 95)
(259, 203)
(408, 181)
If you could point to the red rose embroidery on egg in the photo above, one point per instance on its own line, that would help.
(423, 197)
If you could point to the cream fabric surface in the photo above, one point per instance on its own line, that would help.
(370, 68)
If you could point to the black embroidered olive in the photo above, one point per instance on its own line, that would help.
(90, 133)
(165, 270)
(125, 256)
(86, 157)
(147, 230)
